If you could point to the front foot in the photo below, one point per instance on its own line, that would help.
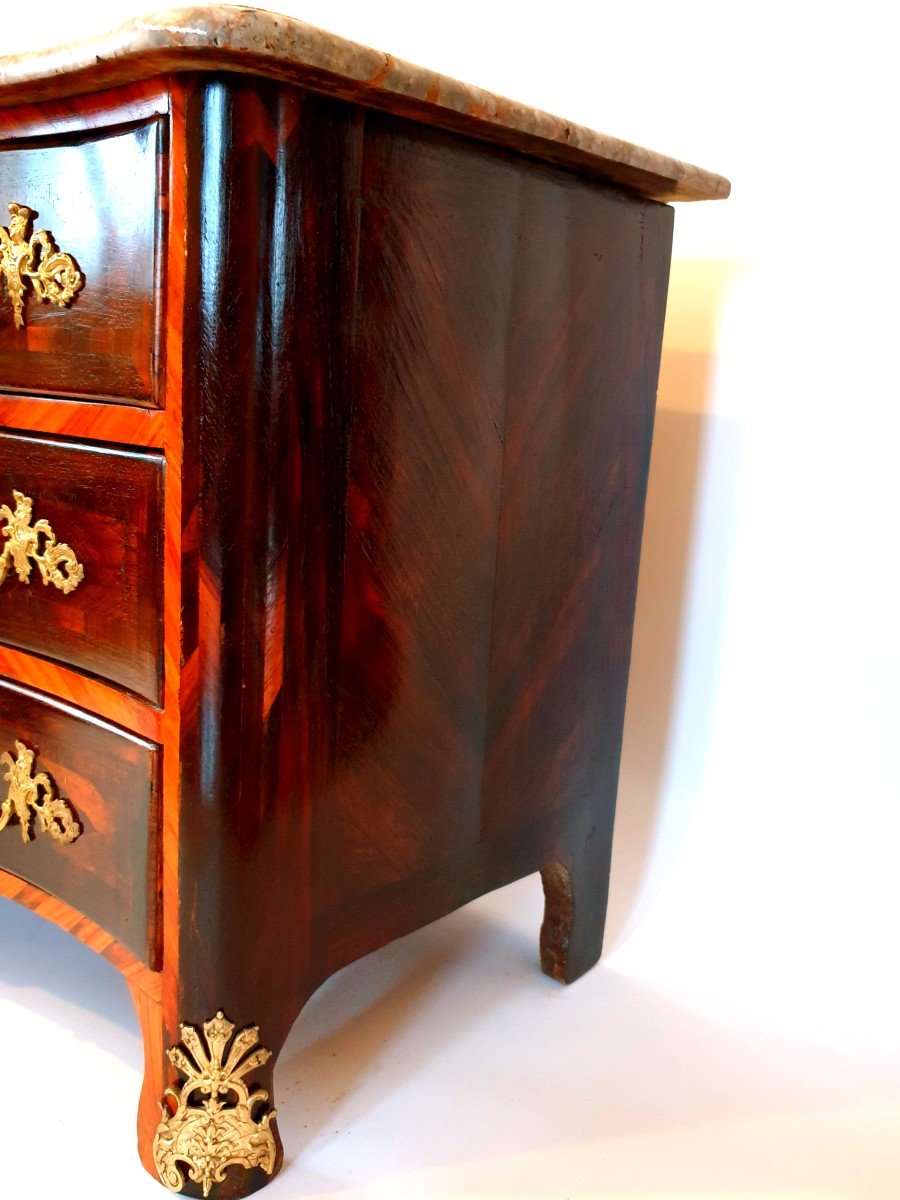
(216, 1135)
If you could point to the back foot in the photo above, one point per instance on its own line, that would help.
(576, 888)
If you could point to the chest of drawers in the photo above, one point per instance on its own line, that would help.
(326, 394)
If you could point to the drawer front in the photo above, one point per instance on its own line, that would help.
(97, 849)
(106, 507)
(98, 200)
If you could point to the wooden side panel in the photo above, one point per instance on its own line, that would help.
(107, 505)
(583, 364)
(110, 872)
(436, 263)
(504, 350)
(412, 515)
(98, 195)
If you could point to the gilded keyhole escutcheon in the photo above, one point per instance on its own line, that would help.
(33, 259)
(27, 543)
(33, 798)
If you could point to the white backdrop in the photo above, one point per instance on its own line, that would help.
(742, 1037)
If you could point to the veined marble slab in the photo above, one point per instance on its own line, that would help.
(223, 37)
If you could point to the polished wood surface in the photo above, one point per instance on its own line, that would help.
(106, 700)
(412, 659)
(111, 872)
(107, 505)
(51, 908)
(80, 420)
(99, 198)
(58, 117)
(364, 656)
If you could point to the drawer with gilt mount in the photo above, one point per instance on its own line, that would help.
(85, 459)
(326, 397)
(89, 471)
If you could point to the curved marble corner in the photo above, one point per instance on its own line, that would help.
(218, 37)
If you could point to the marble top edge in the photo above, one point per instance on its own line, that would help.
(213, 37)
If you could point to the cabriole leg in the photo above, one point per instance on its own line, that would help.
(206, 1120)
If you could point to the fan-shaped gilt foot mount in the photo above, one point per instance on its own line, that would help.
(217, 1122)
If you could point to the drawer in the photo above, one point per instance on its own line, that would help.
(98, 200)
(106, 506)
(97, 784)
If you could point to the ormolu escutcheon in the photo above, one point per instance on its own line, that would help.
(34, 260)
(24, 545)
(34, 797)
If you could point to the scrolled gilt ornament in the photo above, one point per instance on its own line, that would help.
(213, 1125)
(37, 261)
(27, 543)
(33, 797)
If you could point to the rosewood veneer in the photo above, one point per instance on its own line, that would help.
(326, 393)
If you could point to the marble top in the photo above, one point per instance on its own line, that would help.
(225, 37)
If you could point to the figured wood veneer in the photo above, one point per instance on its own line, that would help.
(79, 420)
(110, 780)
(416, 650)
(105, 342)
(108, 505)
(102, 699)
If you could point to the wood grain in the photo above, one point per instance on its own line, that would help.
(99, 198)
(110, 703)
(83, 421)
(161, 1023)
(139, 977)
(424, 398)
(107, 505)
(111, 872)
(410, 530)
(58, 116)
